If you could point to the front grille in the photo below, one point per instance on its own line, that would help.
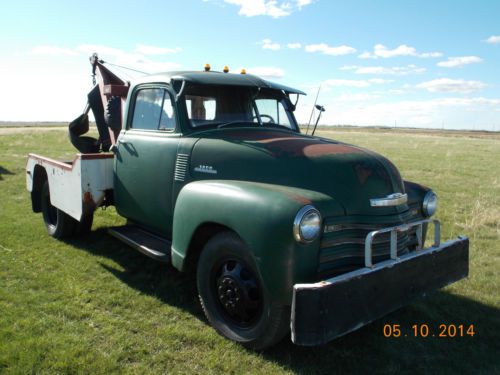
(343, 249)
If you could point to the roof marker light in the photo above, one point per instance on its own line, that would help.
(243, 71)
(226, 69)
(207, 67)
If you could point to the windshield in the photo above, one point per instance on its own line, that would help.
(219, 106)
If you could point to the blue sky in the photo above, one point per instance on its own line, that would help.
(413, 63)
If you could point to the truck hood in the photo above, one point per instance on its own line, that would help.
(351, 175)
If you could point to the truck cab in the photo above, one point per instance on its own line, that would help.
(163, 125)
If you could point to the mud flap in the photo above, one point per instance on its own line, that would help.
(326, 310)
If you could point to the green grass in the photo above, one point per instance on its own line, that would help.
(95, 306)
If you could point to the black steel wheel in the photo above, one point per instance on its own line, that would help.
(233, 296)
(238, 291)
(58, 223)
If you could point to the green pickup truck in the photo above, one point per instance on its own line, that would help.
(284, 232)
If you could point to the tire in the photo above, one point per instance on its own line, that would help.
(233, 297)
(58, 223)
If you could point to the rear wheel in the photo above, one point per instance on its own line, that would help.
(233, 297)
(58, 223)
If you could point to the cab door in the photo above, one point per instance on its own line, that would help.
(145, 160)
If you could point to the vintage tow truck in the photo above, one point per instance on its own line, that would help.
(284, 231)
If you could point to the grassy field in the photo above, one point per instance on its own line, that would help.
(95, 306)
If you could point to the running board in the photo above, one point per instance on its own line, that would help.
(146, 242)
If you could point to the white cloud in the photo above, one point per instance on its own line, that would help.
(348, 67)
(152, 50)
(452, 112)
(353, 82)
(294, 45)
(394, 70)
(379, 50)
(269, 72)
(494, 39)
(458, 62)
(425, 55)
(356, 97)
(452, 85)
(303, 3)
(132, 60)
(271, 8)
(366, 55)
(328, 50)
(380, 80)
(268, 44)
(345, 83)
(53, 51)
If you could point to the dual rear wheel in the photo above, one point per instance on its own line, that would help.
(58, 223)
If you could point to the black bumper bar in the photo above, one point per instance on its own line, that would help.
(332, 308)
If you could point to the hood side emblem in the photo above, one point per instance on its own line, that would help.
(391, 200)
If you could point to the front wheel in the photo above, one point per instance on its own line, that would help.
(233, 297)
(58, 223)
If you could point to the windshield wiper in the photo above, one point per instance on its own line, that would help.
(235, 122)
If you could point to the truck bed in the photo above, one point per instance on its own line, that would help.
(76, 186)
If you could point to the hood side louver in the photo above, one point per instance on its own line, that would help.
(181, 166)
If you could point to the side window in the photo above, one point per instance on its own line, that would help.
(153, 110)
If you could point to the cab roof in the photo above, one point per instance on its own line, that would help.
(217, 79)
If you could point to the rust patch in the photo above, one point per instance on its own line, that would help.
(280, 145)
(88, 203)
(87, 197)
(320, 149)
(298, 198)
(96, 156)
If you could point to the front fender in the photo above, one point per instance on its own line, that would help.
(262, 215)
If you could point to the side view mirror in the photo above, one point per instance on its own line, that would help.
(321, 109)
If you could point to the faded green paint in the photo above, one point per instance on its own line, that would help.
(144, 176)
(262, 215)
(350, 174)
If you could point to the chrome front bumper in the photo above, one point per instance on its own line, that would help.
(331, 308)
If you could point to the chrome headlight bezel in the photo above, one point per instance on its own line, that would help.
(307, 235)
(430, 203)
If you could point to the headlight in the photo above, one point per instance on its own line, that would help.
(429, 206)
(307, 224)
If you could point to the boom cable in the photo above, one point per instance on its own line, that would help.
(123, 67)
